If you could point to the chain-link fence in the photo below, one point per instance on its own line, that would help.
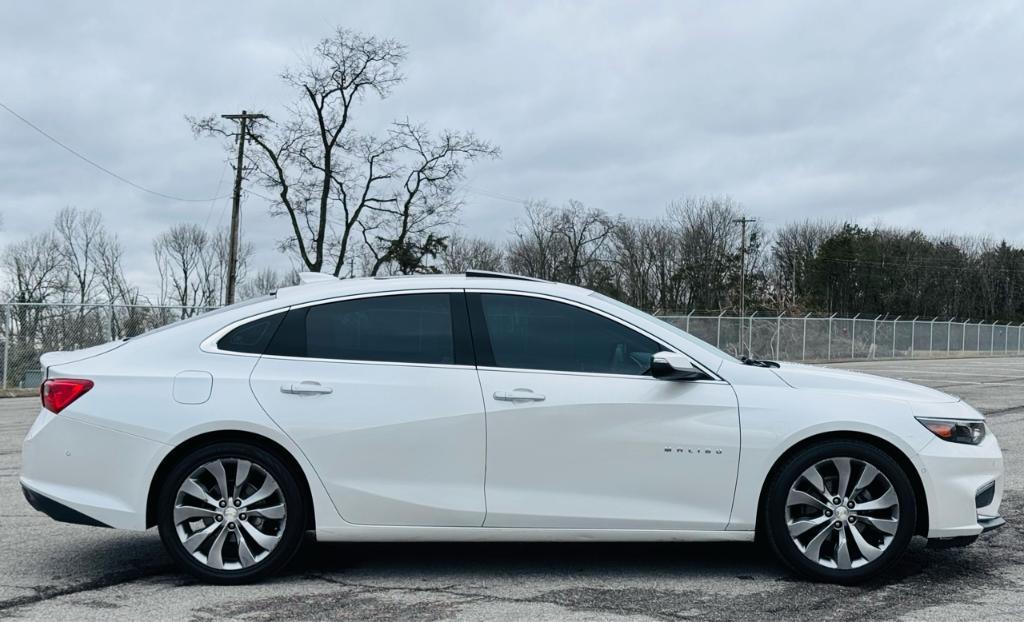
(30, 329)
(844, 338)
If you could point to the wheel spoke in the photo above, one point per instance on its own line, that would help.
(799, 497)
(885, 525)
(813, 548)
(869, 551)
(183, 513)
(800, 527)
(241, 475)
(268, 488)
(884, 502)
(275, 512)
(867, 476)
(216, 468)
(843, 550)
(194, 541)
(813, 476)
(844, 468)
(192, 488)
(215, 558)
(245, 556)
(266, 541)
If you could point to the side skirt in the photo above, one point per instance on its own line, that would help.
(357, 533)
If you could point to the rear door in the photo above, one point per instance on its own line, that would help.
(381, 394)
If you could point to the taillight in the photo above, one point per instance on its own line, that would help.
(58, 393)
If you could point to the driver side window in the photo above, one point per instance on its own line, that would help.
(536, 333)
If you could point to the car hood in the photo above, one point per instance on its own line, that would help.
(813, 377)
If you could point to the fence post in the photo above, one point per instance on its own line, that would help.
(992, 339)
(853, 337)
(778, 336)
(963, 337)
(718, 334)
(913, 334)
(688, 321)
(978, 349)
(750, 334)
(829, 355)
(874, 337)
(894, 335)
(949, 333)
(803, 350)
(931, 336)
(7, 339)
(1019, 329)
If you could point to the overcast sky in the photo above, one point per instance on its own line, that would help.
(901, 113)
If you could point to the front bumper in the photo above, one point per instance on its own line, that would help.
(964, 488)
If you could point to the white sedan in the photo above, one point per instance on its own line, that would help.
(490, 407)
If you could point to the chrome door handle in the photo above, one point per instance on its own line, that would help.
(518, 395)
(306, 387)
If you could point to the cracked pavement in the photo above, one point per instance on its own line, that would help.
(54, 571)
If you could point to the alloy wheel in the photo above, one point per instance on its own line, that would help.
(842, 513)
(229, 514)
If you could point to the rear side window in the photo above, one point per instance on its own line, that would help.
(252, 337)
(408, 328)
(536, 333)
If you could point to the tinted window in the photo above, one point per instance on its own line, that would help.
(252, 337)
(535, 333)
(413, 328)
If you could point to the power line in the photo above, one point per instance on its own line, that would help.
(100, 167)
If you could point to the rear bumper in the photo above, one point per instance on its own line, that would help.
(56, 510)
(81, 473)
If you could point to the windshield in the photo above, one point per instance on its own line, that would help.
(672, 327)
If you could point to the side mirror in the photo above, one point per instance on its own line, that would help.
(672, 366)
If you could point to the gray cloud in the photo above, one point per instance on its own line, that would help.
(905, 113)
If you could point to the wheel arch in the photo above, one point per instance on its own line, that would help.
(220, 436)
(921, 528)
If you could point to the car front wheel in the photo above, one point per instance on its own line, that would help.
(841, 511)
(231, 513)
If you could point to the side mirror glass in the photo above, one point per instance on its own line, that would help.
(672, 366)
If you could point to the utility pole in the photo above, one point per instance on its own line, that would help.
(743, 269)
(243, 119)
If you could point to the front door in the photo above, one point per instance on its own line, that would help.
(381, 395)
(580, 436)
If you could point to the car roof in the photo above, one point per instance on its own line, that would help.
(314, 286)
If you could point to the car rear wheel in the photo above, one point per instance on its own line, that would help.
(841, 511)
(231, 513)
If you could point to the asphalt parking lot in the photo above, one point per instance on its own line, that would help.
(54, 571)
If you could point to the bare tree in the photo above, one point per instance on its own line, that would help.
(403, 232)
(187, 276)
(325, 176)
(79, 234)
(33, 269)
(463, 253)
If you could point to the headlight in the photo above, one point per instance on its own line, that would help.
(969, 431)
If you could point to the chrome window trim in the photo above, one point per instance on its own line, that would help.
(209, 344)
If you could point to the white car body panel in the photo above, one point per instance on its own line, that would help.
(408, 452)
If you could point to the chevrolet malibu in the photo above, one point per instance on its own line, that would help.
(490, 407)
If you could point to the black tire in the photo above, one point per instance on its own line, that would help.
(776, 514)
(291, 529)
